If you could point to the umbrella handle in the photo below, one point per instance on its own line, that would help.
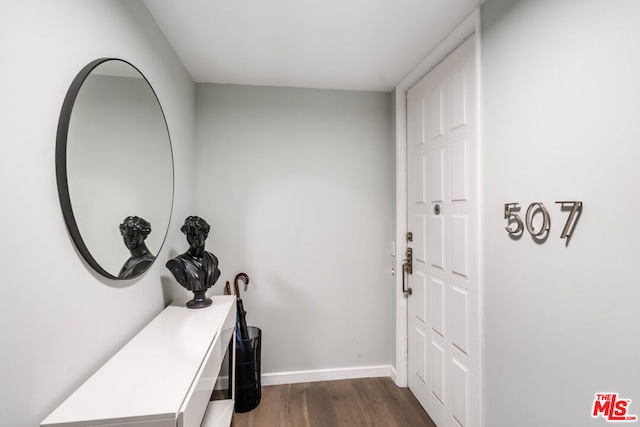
(227, 288)
(235, 282)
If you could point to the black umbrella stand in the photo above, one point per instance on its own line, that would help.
(248, 347)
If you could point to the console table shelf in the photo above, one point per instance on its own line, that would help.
(219, 413)
(163, 377)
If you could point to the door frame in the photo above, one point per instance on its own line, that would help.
(469, 26)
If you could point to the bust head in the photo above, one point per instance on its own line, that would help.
(197, 230)
(134, 231)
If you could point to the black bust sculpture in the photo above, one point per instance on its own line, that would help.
(196, 270)
(134, 231)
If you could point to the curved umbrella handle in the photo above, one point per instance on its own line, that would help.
(235, 282)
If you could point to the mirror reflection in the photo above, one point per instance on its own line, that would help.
(119, 169)
(134, 232)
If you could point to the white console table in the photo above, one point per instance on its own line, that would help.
(163, 377)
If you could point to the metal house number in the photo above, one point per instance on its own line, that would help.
(516, 226)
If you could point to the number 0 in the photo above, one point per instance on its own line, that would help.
(546, 221)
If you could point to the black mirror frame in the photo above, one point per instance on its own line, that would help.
(61, 165)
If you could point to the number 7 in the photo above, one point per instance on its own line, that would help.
(572, 217)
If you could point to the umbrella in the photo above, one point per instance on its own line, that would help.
(227, 287)
(242, 333)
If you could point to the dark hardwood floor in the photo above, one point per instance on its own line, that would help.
(352, 403)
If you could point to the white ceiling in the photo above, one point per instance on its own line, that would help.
(330, 44)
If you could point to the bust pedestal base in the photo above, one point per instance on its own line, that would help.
(199, 300)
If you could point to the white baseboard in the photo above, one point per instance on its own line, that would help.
(393, 374)
(222, 382)
(294, 377)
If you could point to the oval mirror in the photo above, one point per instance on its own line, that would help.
(114, 168)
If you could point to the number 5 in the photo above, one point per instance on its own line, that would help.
(512, 217)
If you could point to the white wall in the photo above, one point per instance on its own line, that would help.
(297, 185)
(59, 321)
(561, 89)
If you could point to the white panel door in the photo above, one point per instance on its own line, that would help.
(444, 319)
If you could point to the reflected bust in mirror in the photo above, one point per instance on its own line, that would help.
(196, 270)
(134, 231)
